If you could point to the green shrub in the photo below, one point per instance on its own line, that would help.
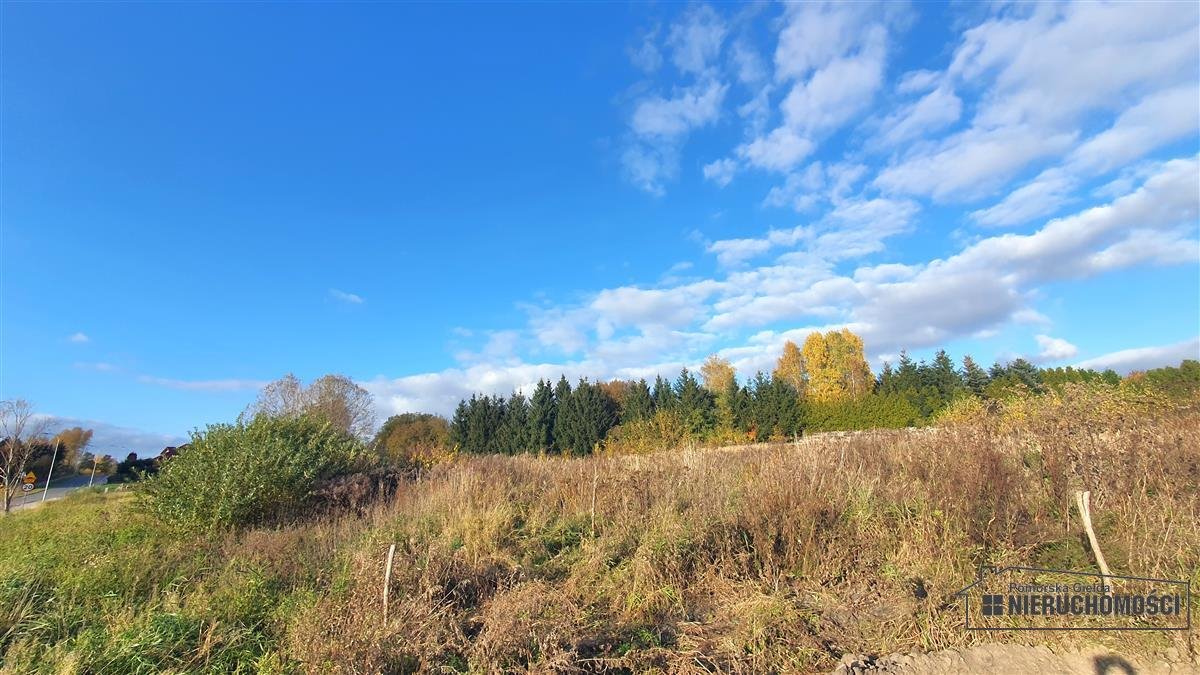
(239, 474)
(874, 411)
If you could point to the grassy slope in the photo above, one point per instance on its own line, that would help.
(761, 559)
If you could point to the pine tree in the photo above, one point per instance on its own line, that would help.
(1027, 374)
(584, 419)
(974, 378)
(763, 412)
(944, 379)
(562, 394)
(886, 383)
(638, 405)
(458, 426)
(696, 404)
(664, 396)
(513, 435)
(541, 418)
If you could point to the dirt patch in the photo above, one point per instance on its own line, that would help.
(1016, 660)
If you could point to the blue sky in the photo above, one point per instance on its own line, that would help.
(439, 199)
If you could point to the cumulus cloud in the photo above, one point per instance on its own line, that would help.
(78, 338)
(1144, 358)
(1028, 111)
(111, 439)
(695, 40)
(1054, 349)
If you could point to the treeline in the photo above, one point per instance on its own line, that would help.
(825, 385)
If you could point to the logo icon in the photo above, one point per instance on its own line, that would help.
(1033, 598)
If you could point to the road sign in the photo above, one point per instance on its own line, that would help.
(28, 487)
(30, 478)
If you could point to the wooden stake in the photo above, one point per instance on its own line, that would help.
(387, 581)
(1083, 503)
(595, 478)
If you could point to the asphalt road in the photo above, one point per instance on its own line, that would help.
(58, 490)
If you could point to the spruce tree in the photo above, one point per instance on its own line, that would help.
(513, 436)
(541, 418)
(664, 395)
(696, 404)
(974, 378)
(562, 394)
(585, 418)
(944, 378)
(638, 404)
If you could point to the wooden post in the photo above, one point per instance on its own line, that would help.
(1083, 503)
(595, 478)
(387, 581)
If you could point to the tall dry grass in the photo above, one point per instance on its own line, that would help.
(772, 558)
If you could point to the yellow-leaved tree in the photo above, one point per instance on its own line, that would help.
(717, 373)
(791, 369)
(836, 366)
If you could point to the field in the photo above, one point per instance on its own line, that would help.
(755, 559)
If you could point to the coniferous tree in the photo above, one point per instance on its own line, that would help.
(513, 435)
(696, 404)
(638, 405)
(664, 395)
(944, 379)
(585, 418)
(562, 394)
(788, 412)
(974, 377)
(541, 418)
(763, 412)
(886, 382)
(458, 426)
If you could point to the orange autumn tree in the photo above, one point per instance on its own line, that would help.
(835, 366)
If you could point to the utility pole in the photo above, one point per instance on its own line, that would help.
(50, 473)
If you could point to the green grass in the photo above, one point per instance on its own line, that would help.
(91, 583)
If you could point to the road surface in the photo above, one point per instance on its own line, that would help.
(58, 490)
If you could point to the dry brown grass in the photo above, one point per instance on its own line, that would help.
(771, 558)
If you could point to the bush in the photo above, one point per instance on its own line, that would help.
(874, 411)
(239, 474)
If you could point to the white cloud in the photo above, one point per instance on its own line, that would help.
(659, 124)
(696, 39)
(932, 112)
(79, 338)
(972, 163)
(1054, 349)
(780, 150)
(1144, 358)
(645, 56)
(1160, 118)
(1048, 67)
(118, 441)
(690, 108)
(345, 297)
(838, 91)
(721, 171)
(1041, 196)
